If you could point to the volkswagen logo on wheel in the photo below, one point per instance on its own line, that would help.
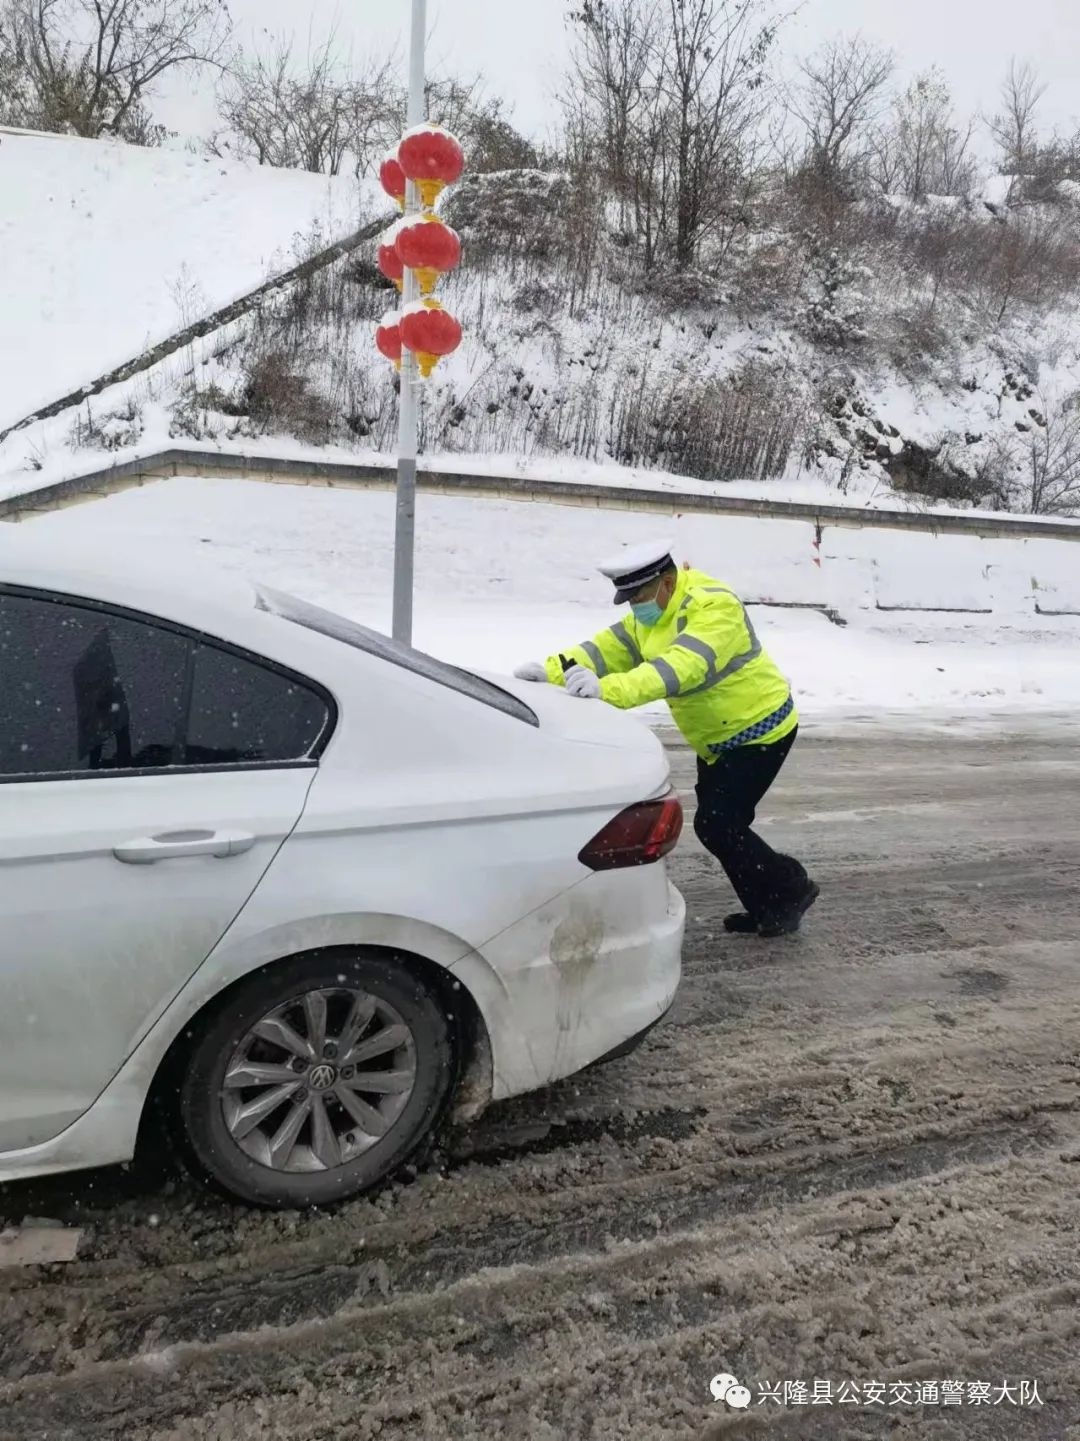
(322, 1077)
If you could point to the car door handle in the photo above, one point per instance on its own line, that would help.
(178, 845)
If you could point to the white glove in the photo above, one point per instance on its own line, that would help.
(532, 670)
(583, 683)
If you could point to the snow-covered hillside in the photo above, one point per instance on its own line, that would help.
(108, 248)
(934, 357)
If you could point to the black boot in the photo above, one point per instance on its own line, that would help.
(740, 924)
(788, 922)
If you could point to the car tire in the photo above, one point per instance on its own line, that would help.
(286, 1158)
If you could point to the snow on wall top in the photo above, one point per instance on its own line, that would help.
(107, 248)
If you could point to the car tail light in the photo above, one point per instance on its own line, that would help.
(637, 836)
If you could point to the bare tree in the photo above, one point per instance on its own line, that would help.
(884, 160)
(1052, 485)
(613, 75)
(669, 96)
(843, 90)
(616, 111)
(1014, 126)
(921, 150)
(919, 120)
(715, 82)
(956, 165)
(308, 115)
(87, 67)
(17, 102)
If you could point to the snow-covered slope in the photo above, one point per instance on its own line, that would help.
(107, 248)
(781, 365)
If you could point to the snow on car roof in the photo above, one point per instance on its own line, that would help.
(162, 581)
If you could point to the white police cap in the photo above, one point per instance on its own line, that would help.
(635, 566)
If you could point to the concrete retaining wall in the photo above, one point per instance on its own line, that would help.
(835, 559)
(288, 471)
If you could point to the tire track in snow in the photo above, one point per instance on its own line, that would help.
(851, 1155)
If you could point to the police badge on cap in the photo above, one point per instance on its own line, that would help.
(635, 566)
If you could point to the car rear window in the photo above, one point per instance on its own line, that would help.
(87, 690)
(350, 632)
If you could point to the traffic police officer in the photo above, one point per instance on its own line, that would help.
(689, 640)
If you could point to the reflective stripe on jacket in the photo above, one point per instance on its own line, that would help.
(703, 657)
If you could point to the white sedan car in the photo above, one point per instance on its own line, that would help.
(302, 888)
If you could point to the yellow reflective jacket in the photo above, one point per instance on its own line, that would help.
(704, 658)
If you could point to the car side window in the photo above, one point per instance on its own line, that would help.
(243, 712)
(85, 690)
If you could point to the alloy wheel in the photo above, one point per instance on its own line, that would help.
(319, 1080)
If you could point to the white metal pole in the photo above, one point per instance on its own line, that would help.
(404, 537)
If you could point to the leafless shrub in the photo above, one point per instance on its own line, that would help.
(277, 395)
(114, 430)
(313, 114)
(915, 336)
(536, 298)
(740, 428)
(1053, 165)
(521, 214)
(770, 274)
(1032, 259)
(1051, 476)
(932, 471)
(481, 122)
(842, 91)
(199, 411)
(534, 226)
(935, 249)
(673, 291)
(993, 472)
(86, 67)
(926, 257)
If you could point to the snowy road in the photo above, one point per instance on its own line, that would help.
(852, 1157)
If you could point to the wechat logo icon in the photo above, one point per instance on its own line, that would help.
(727, 1388)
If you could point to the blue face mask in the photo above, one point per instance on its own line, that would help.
(648, 612)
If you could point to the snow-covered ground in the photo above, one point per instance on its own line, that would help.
(108, 248)
(499, 582)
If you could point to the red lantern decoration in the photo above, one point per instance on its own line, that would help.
(392, 178)
(432, 159)
(430, 248)
(388, 338)
(389, 261)
(430, 332)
